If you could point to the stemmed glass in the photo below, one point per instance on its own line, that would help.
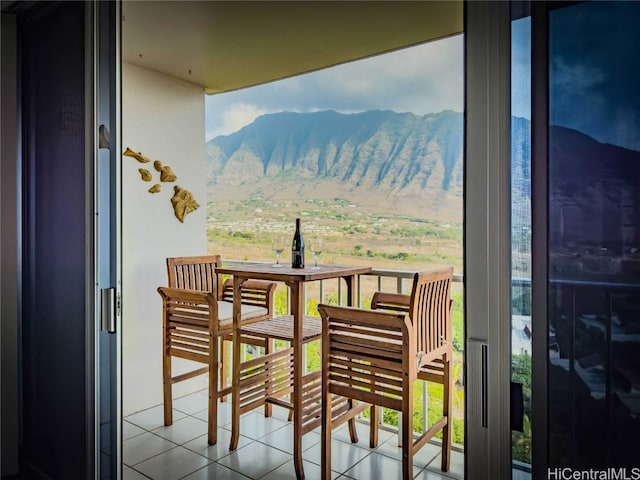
(315, 245)
(277, 245)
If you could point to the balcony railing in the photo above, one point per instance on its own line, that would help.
(402, 280)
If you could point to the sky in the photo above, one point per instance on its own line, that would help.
(521, 68)
(421, 79)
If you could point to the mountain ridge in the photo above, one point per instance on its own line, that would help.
(399, 153)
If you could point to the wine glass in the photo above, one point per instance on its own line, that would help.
(315, 245)
(277, 245)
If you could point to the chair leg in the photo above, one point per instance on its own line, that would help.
(166, 388)
(214, 369)
(224, 366)
(407, 435)
(235, 388)
(290, 416)
(268, 348)
(447, 412)
(325, 447)
(353, 433)
(374, 420)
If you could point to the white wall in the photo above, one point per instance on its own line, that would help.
(9, 253)
(163, 118)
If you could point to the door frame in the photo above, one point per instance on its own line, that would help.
(103, 140)
(539, 247)
(487, 239)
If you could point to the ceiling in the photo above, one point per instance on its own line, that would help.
(226, 46)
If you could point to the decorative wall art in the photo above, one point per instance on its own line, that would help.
(145, 174)
(167, 175)
(137, 155)
(182, 200)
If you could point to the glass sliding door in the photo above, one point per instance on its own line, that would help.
(69, 166)
(593, 221)
(55, 305)
(521, 324)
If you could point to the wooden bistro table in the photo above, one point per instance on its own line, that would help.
(284, 368)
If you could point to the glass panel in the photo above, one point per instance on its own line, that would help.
(594, 239)
(53, 355)
(521, 236)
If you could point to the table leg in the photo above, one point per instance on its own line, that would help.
(351, 301)
(235, 379)
(297, 310)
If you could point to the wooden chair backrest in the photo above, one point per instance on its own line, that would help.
(364, 355)
(428, 306)
(195, 273)
(430, 312)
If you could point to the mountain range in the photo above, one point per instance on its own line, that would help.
(405, 157)
(398, 154)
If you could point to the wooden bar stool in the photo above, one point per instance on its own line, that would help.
(374, 356)
(198, 325)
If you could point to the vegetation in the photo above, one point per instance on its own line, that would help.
(351, 234)
(521, 441)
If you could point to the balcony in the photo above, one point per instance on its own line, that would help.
(152, 450)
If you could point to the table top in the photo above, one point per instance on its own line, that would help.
(262, 271)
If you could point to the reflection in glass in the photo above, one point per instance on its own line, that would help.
(521, 234)
(594, 235)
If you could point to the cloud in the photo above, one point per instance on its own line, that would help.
(421, 79)
(236, 116)
(576, 77)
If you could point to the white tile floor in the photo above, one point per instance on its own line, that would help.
(154, 451)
